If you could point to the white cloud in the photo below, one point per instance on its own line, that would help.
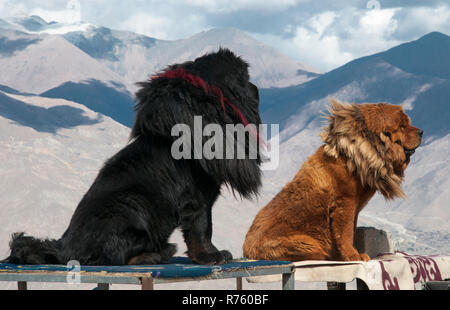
(162, 26)
(71, 14)
(310, 44)
(225, 6)
(426, 19)
(331, 39)
(373, 33)
(378, 22)
(314, 46)
(10, 8)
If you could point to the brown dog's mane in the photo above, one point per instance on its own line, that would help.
(368, 154)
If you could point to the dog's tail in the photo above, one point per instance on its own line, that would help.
(32, 251)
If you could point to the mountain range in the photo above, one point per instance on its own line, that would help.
(414, 74)
(66, 105)
(82, 60)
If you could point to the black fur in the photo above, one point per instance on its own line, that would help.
(142, 193)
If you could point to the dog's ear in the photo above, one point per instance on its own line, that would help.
(343, 111)
(335, 104)
(342, 118)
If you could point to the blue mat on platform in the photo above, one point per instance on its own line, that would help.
(180, 267)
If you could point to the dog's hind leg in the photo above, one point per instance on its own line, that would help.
(289, 248)
(145, 259)
(162, 257)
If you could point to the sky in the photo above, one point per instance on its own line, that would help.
(324, 34)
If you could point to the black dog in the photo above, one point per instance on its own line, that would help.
(142, 193)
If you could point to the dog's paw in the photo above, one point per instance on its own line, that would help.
(364, 257)
(226, 256)
(215, 258)
(353, 255)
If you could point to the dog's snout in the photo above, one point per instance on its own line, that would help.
(420, 132)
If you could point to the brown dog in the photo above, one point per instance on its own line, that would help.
(367, 148)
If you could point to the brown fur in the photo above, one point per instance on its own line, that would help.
(314, 217)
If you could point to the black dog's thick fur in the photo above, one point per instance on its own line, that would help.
(142, 193)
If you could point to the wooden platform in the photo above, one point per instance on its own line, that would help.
(180, 270)
(389, 271)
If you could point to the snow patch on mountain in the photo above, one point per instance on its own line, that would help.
(36, 63)
(408, 102)
(36, 25)
(136, 57)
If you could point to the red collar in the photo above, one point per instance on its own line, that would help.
(197, 81)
